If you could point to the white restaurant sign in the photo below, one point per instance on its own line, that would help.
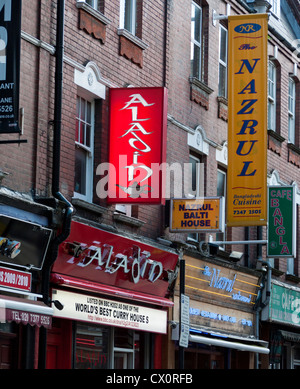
(100, 310)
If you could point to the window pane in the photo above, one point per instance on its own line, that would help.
(222, 81)
(223, 45)
(196, 23)
(195, 62)
(221, 184)
(91, 347)
(80, 171)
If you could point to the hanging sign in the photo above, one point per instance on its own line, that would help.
(247, 120)
(281, 222)
(137, 148)
(205, 214)
(10, 38)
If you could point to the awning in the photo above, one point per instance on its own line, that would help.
(228, 343)
(25, 311)
(79, 283)
(291, 336)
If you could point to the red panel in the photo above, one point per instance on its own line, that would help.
(110, 259)
(138, 122)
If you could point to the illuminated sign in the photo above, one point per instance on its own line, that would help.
(247, 120)
(10, 38)
(204, 214)
(281, 222)
(137, 146)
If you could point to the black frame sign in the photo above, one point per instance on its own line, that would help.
(10, 44)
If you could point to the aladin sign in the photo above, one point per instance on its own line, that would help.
(137, 146)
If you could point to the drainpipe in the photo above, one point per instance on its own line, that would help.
(68, 209)
(262, 304)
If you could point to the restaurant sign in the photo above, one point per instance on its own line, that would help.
(200, 214)
(10, 43)
(102, 257)
(137, 145)
(247, 120)
(284, 306)
(282, 222)
(109, 312)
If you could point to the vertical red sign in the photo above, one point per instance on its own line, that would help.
(137, 148)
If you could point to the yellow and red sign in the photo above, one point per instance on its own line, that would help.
(247, 120)
(201, 214)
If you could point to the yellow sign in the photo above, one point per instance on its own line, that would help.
(247, 120)
(201, 214)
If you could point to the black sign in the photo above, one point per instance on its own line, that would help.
(23, 244)
(10, 40)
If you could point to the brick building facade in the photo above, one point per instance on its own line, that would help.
(139, 43)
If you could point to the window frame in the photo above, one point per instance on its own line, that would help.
(222, 63)
(272, 98)
(275, 9)
(198, 73)
(292, 112)
(88, 150)
(128, 8)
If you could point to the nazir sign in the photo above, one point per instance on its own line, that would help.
(281, 223)
(247, 120)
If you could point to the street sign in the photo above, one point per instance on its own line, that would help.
(184, 320)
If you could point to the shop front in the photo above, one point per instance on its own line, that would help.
(281, 326)
(24, 240)
(222, 331)
(112, 302)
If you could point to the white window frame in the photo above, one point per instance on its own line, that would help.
(194, 236)
(196, 43)
(92, 3)
(275, 9)
(272, 97)
(291, 110)
(89, 150)
(221, 61)
(128, 7)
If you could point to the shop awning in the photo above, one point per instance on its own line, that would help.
(242, 346)
(25, 311)
(65, 280)
(291, 336)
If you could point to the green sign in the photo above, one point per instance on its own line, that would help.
(281, 222)
(285, 305)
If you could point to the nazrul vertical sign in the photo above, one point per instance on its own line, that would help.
(247, 120)
(10, 40)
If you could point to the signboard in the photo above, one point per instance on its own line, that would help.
(15, 279)
(247, 120)
(220, 284)
(285, 304)
(100, 256)
(137, 146)
(10, 38)
(23, 244)
(218, 317)
(204, 214)
(184, 321)
(281, 222)
(109, 312)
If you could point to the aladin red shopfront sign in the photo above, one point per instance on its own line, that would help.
(101, 258)
(137, 146)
